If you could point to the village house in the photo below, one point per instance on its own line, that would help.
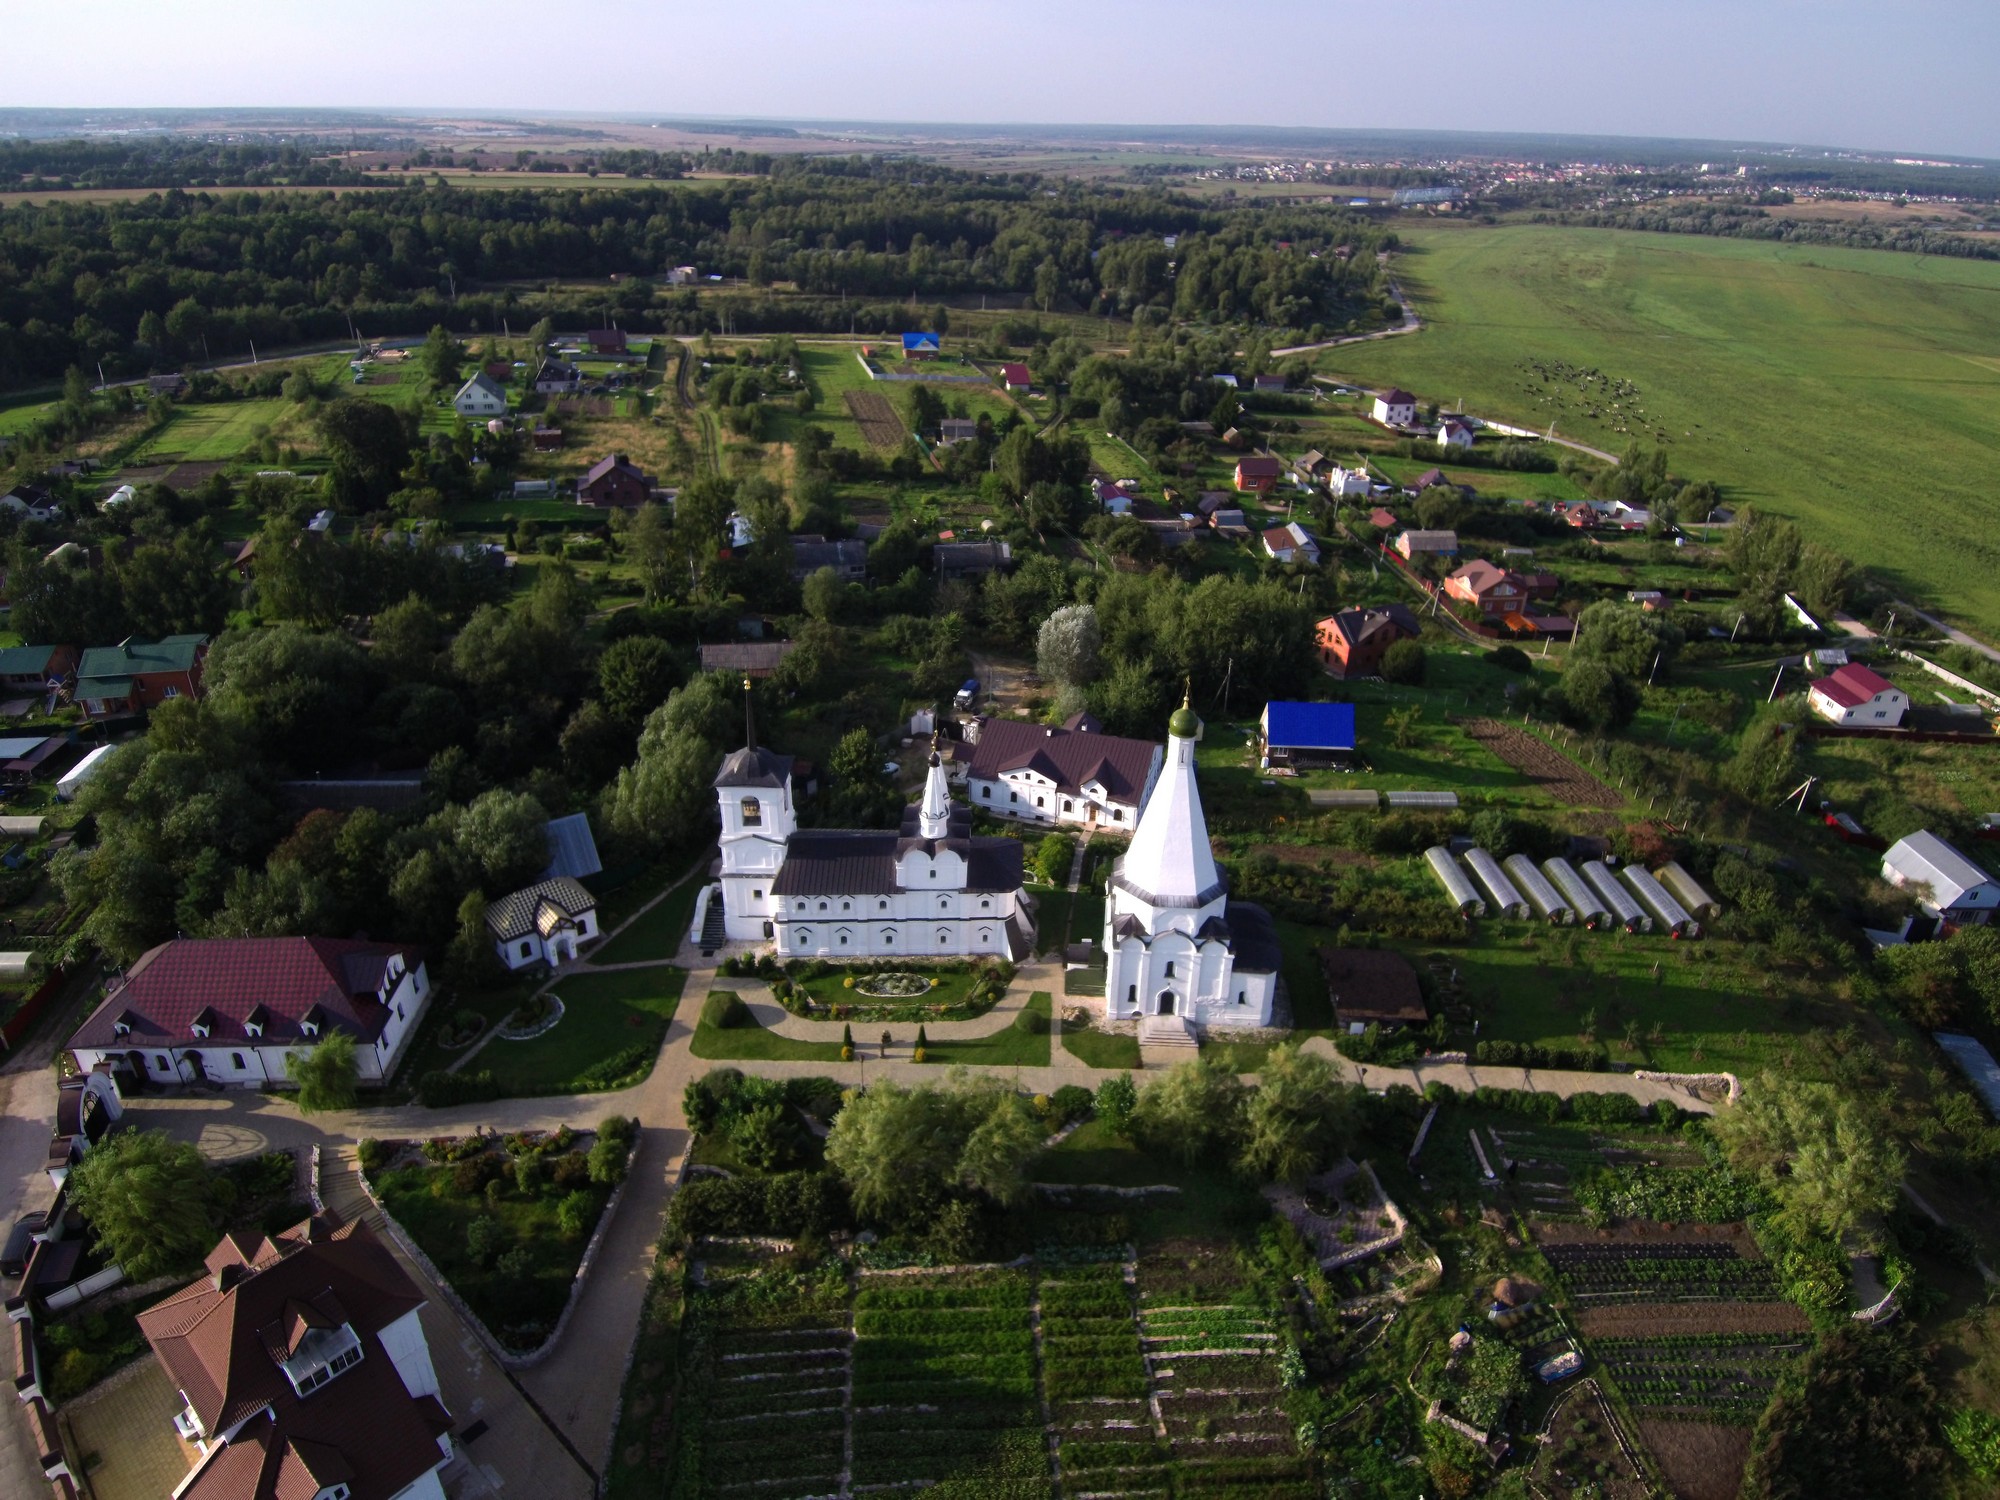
(480, 397)
(1948, 886)
(1454, 434)
(1258, 473)
(35, 669)
(1312, 466)
(615, 481)
(547, 439)
(1351, 643)
(1114, 498)
(1494, 590)
(1383, 519)
(1856, 695)
(1429, 479)
(969, 559)
(1182, 956)
(1347, 484)
(233, 1010)
(1231, 524)
(555, 378)
(1396, 408)
(922, 346)
(1415, 544)
(606, 341)
(544, 923)
(1073, 775)
(1306, 735)
(32, 501)
(1269, 385)
(112, 681)
(957, 430)
(1015, 377)
(811, 552)
(1292, 543)
(303, 1370)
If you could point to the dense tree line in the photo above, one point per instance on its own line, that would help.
(77, 279)
(166, 161)
(1745, 222)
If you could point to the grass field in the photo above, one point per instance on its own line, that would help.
(658, 934)
(606, 1019)
(1815, 382)
(214, 433)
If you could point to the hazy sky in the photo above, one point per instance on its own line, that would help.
(1904, 75)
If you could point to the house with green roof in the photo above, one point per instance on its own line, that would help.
(31, 669)
(135, 675)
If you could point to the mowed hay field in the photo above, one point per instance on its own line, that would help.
(1853, 390)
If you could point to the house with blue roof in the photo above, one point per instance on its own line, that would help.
(922, 346)
(1306, 736)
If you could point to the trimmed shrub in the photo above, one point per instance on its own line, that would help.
(724, 1010)
(1030, 1022)
(441, 1090)
(372, 1154)
(1071, 1102)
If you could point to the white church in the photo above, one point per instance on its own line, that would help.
(928, 889)
(1181, 957)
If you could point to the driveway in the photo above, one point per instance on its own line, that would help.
(27, 1118)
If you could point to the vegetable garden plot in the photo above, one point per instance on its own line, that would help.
(1662, 1271)
(1214, 1356)
(944, 1387)
(1724, 1377)
(761, 1410)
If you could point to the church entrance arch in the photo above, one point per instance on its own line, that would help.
(1166, 1002)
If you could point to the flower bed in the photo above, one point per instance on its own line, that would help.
(533, 1019)
(895, 985)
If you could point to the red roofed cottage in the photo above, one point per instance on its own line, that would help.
(232, 1010)
(1855, 695)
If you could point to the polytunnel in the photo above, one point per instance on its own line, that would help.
(1623, 907)
(1588, 906)
(1545, 898)
(1463, 896)
(1653, 896)
(1486, 869)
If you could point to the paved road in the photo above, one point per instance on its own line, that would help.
(1950, 632)
(27, 1118)
(1410, 324)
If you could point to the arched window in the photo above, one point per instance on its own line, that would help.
(753, 813)
(843, 940)
(845, 906)
(802, 906)
(881, 906)
(1131, 994)
(1242, 997)
(1041, 802)
(944, 903)
(986, 794)
(1170, 968)
(1166, 1002)
(985, 937)
(802, 938)
(822, 906)
(888, 937)
(1068, 806)
(985, 905)
(943, 937)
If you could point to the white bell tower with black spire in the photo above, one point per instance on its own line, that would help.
(759, 817)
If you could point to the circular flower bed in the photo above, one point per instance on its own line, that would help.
(543, 1015)
(897, 985)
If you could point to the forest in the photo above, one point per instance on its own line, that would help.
(216, 272)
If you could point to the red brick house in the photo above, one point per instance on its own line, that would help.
(606, 340)
(135, 675)
(1258, 473)
(1351, 643)
(615, 481)
(1495, 590)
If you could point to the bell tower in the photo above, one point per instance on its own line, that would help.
(754, 795)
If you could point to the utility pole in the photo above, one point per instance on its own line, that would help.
(1734, 628)
(253, 351)
(1772, 696)
(100, 374)
(1656, 668)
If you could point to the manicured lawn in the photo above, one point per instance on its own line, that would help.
(427, 1055)
(1010, 1048)
(1051, 917)
(659, 933)
(608, 1037)
(1726, 341)
(1101, 1049)
(519, 1303)
(754, 1043)
(1212, 1198)
(947, 987)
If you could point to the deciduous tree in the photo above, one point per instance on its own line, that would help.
(154, 1202)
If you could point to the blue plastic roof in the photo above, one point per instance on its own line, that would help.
(1976, 1063)
(1310, 726)
(920, 341)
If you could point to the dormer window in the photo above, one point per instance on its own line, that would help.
(310, 1026)
(320, 1355)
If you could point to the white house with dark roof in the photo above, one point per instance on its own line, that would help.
(1396, 408)
(928, 889)
(1075, 774)
(544, 923)
(1181, 957)
(480, 397)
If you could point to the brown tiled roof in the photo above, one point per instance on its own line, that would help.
(1070, 759)
(219, 1341)
(225, 981)
(1371, 985)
